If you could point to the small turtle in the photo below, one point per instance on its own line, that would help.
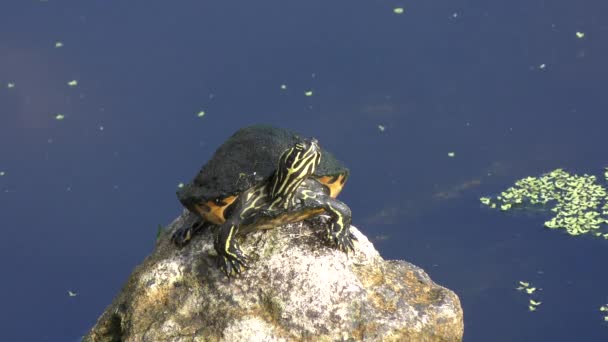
(261, 178)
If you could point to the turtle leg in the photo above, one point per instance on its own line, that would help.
(183, 235)
(230, 257)
(338, 231)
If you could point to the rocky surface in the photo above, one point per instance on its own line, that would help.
(297, 289)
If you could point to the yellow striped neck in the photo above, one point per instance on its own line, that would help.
(294, 166)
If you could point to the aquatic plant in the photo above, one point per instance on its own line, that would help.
(580, 203)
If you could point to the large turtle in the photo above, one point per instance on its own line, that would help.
(260, 178)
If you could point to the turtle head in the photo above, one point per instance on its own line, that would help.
(295, 164)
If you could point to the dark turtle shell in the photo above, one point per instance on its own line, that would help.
(247, 159)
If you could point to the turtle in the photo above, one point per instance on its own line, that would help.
(260, 178)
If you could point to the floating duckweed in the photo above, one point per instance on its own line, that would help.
(201, 114)
(283, 86)
(308, 93)
(10, 85)
(180, 185)
(580, 35)
(381, 128)
(604, 308)
(72, 294)
(398, 10)
(523, 285)
(580, 204)
(59, 116)
(451, 154)
(58, 44)
(2, 173)
(73, 83)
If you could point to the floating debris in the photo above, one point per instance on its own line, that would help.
(2, 173)
(580, 35)
(73, 83)
(526, 286)
(58, 44)
(451, 154)
(180, 185)
(542, 66)
(604, 308)
(283, 87)
(381, 128)
(10, 85)
(59, 116)
(201, 114)
(308, 93)
(398, 10)
(580, 204)
(72, 294)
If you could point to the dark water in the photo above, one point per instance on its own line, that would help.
(81, 198)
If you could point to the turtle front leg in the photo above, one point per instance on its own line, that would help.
(338, 232)
(229, 255)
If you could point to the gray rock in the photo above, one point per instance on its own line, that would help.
(297, 289)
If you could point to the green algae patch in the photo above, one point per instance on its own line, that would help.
(580, 204)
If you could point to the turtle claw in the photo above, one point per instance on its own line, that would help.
(236, 262)
(343, 240)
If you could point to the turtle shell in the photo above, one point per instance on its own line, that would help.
(248, 158)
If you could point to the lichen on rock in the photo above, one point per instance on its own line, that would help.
(297, 289)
